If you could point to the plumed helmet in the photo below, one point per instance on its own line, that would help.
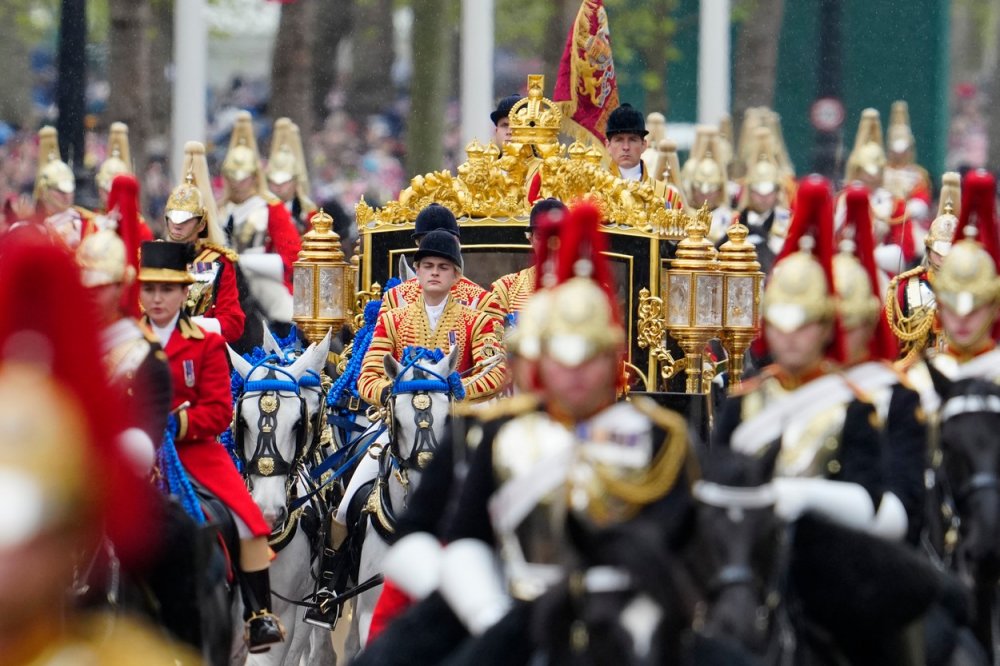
(944, 227)
(61, 461)
(101, 257)
(119, 159)
(53, 173)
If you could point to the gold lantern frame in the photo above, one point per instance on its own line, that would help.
(324, 282)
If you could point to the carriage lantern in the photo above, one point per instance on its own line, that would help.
(694, 312)
(741, 295)
(323, 281)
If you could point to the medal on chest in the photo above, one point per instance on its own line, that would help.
(189, 378)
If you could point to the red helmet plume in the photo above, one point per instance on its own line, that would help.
(979, 211)
(124, 199)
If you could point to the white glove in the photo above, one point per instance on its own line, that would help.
(844, 503)
(139, 449)
(413, 564)
(472, 585)
(210, 324)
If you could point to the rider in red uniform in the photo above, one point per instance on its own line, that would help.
(200, 374)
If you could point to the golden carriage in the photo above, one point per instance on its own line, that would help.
(670, 278)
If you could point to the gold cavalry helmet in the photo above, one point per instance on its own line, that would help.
(53, 173)
(942, 230)
(797, 293)
(868, 155)
(856, 303)
(119, 159)
(101, 257)
(580, 323)
(899, 137)
(281, 164)
(243, 158)
(967, 279)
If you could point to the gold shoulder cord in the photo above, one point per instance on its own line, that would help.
(911, 331)
(662, 474)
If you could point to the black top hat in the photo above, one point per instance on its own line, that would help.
(165, 261)
(543, 207)
(440, 243)
(503, 108)
(435, 216)
(626, 119)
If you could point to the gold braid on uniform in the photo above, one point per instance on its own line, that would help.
(664, 469)
(912, 331)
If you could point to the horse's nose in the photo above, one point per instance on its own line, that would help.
(276, 517)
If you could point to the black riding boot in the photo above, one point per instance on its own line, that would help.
(263, 628)
(325, 614)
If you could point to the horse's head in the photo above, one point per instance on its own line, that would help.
(736, 555)
(272, 423)
(423, 386)
(969, 470)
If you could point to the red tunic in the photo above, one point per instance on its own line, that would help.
(214, 294)
(475, 334)
(199, 369)
(283, 237)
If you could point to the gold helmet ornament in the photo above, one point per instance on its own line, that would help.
(868, 155)
(967, 279)
(772, 120)
(243, 158)
(193, 198)
(799, 290)
(119, 159)
(899, 137)
(942, 231)
(656, 123)
(705, 173)
(281, 164)
(101, 257)
(582, 321)
(53, 173)
(763, 173)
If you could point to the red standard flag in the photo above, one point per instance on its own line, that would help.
(586, 89)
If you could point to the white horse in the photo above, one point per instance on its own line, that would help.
(421, 403)
(274, 430)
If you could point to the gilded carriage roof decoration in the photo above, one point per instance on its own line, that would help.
(494, 183)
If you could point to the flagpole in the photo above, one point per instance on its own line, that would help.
(477, 70)
(190, 67)
(713, 60)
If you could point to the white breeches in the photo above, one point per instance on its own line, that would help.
(367, 471)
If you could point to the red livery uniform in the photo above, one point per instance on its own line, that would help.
(263, 222)
(466, 292)
(475, 333)
(200, 373)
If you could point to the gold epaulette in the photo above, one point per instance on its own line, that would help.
(147, 332)
(84, 213)
(271, 200)
(189, 329)
(514, 405)
(227, 252)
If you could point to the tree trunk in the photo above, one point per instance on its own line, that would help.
(15, 85)
(756, 61)
(128, 73)
(70, 87)
(291, 67)
(371, 87)
(332, 28)
(161, 53)
(429, 89)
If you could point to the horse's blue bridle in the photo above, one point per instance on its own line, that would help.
(450, 384)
